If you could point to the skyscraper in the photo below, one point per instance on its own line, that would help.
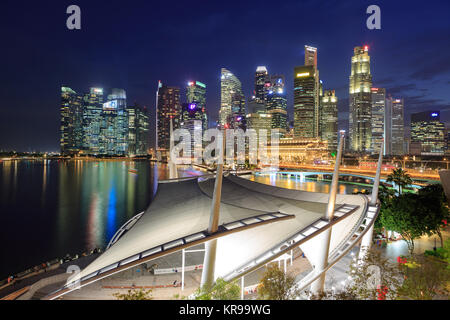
(311, 60)
(232, 101)
(305, 102)
(167, 107)
(360, 101)
(261, 78)
(310, 56)
(276, 104)
(329, 119)
(92, 120)
(196, 94)
(138, 126)
(397, 126)
(71, 121)
(306, 96)
(378, 114)
(428, 132)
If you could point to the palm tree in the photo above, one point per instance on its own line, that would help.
(400, 178)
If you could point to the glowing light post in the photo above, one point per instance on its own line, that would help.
(366, 241)
(173, 172)
(324, 238)
(209, 262)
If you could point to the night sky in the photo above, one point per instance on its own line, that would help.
(133, 44)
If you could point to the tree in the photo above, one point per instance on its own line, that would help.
(277, 285)
(140, 294)
(400, 178)
(372, 278)
(406, 215)
(221, 290)
(385, 195)
(425, 278)
(436, 211)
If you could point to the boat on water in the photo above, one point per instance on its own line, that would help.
(132, 171)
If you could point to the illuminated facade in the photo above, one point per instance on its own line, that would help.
(113, 138)
(428, 132)
(360, 101)
(167, 107)
(232, 101)
(329, 119)
(196, 93)
(378, 114)
(300, 150)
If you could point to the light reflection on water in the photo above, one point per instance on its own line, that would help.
(301, 183)
(49, 208)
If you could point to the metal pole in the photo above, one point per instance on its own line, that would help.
(182, 269)
(173, 173)
(209, 263)
(324, 238)
(366, 241)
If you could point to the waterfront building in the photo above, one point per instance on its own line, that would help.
(71, 127)
(360, 115)
(232, 101)
(377, 120)
(300, 150)
(428, 132)
(168, 107)
(113, 138)
(329, 119)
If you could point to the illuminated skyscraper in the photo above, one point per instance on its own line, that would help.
(261, 78)
(71, 121)
(428, 132)
(329, 119)
(232, 101)
(395, 121)
(378, 114)
(138, 126)
(276, 104)
(113, 138)
(92, 120)
(305, 95)
(167, 107)
(360, 101)
(196, 94)
(310, 56)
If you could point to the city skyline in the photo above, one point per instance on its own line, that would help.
(403, 66)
